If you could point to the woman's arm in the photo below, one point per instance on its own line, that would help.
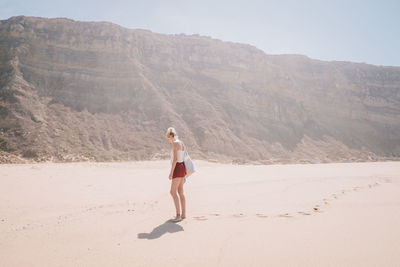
(174, 149)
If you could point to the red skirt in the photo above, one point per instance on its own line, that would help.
(179, 171)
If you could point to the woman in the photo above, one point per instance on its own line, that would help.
(177, 173)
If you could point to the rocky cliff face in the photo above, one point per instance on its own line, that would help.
(74, 90)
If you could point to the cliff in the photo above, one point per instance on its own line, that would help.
(72, 90)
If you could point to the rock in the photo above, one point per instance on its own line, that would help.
(37, 118)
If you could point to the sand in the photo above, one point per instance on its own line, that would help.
(116, 214)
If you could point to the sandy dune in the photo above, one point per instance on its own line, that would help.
(116, 214)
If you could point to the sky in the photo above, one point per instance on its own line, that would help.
(344, 30)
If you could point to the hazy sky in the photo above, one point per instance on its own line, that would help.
(349, 30)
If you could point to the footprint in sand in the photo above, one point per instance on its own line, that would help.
(238, 215)
(316, 209)
(387, 180)
(200, 218)
(325, 200)
(260, 215)
(334, 196)
(303, 213)
(285, 215)
(215, 214)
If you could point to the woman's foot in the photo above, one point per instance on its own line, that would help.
(183, 217)
(177, 218)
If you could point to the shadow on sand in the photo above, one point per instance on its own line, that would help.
(167, 227)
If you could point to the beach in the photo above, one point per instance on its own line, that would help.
(117, 214)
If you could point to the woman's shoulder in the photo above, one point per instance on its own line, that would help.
(178, 143)
(175, 144)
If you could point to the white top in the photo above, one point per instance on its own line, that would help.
(180, 154)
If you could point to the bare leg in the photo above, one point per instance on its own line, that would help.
(182, 198)
(174, 188)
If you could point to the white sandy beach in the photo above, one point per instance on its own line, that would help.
(116, 214)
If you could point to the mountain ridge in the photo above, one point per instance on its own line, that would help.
(114, 87)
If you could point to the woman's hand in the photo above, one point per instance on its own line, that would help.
(170, 176)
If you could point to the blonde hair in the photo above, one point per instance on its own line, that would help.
(171, 132)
